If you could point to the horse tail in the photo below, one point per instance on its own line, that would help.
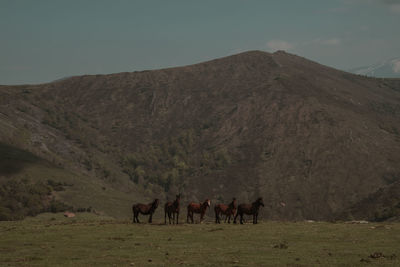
(237, 213)
(187, 216)
(216, 213)
(165, 213)
(134, 212)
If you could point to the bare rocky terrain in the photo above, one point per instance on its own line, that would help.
(313, 141)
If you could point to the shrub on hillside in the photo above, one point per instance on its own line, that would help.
(20, 198)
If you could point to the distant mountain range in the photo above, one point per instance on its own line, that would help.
(385, 69)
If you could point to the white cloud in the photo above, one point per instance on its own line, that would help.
(395, 8)
(279, 45)
(396, 67)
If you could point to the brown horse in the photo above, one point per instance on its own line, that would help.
(249, 209)
(172, 208)
(145, 209)
(227, 210)
(197, 208)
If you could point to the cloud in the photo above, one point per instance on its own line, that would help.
(279, 45)
(395, 8)
(396, 67)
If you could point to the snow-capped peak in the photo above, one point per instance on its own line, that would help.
(385, 69)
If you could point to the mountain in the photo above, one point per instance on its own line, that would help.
(311, 140)
(385, 69)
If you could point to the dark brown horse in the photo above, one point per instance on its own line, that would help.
(197, 208)
(249, 209)
(145, 209)
(227, 210)
(171, 208)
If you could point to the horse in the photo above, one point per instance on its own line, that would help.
(227, 210)
(197, 208)
(249, 209)
(145, 209)
(172, 208)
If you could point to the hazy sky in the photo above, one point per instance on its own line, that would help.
(42, 41)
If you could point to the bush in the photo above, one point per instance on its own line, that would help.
(19, 198)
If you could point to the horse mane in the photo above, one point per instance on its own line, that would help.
(232, 204)
(257, 202)
(154, 204)
(176, 201)
(205, 203)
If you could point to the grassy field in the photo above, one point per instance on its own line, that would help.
(87, 240)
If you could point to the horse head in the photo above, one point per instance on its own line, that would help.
(260, 201)
(177, 200)
(234, 202)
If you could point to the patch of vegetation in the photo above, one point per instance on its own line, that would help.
(387, 213)
(20, 198)
(393, 84)
(385, 108)
(168, 163)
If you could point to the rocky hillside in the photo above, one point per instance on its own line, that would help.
(311, 140)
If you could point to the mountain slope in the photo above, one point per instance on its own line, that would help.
(309, 139)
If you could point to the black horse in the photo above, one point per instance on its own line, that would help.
(249, 209)
(172, 208)
(145, 209)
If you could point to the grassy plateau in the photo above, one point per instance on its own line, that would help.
(89, 240)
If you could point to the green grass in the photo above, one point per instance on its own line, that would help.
(88, 240)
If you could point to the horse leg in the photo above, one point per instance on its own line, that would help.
(165, 217)
(234, 218)
(151, 218)
(177, 217)
(241, 218)
(229, 218)
(216, 217)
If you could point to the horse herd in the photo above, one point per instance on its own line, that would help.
(172, 209)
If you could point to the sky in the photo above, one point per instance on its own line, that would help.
(42, 41)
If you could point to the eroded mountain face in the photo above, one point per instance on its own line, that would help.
(309, 139)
